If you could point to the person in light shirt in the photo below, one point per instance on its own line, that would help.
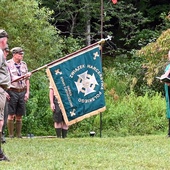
(6, 52)
(4, 85)
(19, 92)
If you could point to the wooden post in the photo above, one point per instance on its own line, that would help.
(168, 127)
(101, 32)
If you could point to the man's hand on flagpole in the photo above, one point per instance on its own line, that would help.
(27, 75)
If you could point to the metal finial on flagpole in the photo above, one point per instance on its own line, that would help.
(105, 39)
(108, 37)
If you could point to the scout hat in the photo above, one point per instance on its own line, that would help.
(3, 33)
(17, 50)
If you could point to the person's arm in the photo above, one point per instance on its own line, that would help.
(27, 81)
(166, 74)
(7, 96)
(51, 96)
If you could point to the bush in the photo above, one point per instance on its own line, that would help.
(135, 115)
(132, 115)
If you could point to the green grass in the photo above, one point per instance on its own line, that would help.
(117, 153)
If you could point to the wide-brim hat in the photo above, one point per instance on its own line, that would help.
(3, 33)
(17, 50)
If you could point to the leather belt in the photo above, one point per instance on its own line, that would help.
(4, 87)
(17, 90)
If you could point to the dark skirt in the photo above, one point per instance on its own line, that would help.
(57, 114)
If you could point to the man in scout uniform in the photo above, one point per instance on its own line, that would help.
(6, 52)
(19, 91)
(4, 84)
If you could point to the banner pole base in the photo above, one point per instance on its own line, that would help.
(100, 124)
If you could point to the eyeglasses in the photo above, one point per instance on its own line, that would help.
(22, 53)
(6, 49)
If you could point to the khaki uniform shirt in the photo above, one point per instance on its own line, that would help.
(14, 73)
(4, 83)
(4, 73)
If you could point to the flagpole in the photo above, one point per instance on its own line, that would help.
(63, 58)
(101, 32)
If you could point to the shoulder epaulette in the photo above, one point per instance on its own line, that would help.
(23, 62)
(8, 61)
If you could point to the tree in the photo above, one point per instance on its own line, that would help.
(155, 54)
(74, 17)
(28, 26)
(132, 23)
(30, 29)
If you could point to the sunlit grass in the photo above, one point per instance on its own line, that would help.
(124, 153)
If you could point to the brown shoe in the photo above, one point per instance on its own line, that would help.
(3, 158)
(19, 136)
(11, 136)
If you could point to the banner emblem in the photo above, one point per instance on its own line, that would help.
(86, 83)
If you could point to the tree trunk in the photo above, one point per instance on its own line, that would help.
(88, 25)
(88, 30)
